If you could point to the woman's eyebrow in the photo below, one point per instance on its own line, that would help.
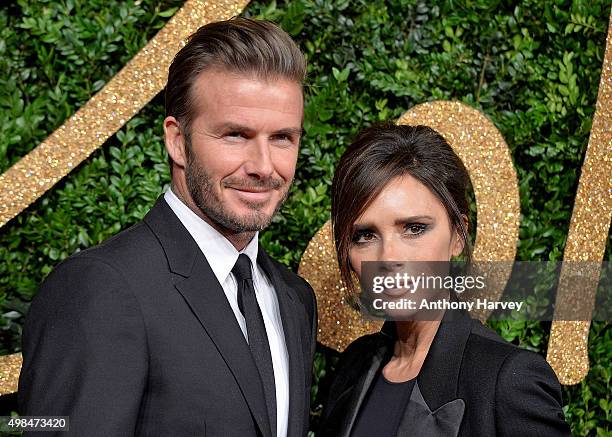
(399, 221)
(413, 219)
(363, 226)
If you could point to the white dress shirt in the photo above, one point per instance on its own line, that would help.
(221, 256)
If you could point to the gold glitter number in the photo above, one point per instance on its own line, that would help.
(588, 232)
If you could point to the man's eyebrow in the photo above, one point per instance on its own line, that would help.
(291, 131)
(232, 127)
(235, 127)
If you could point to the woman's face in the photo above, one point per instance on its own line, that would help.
(406, 222)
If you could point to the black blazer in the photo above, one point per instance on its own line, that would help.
(472, 383)
(136, 337)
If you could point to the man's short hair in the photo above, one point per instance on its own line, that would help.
(238, 45)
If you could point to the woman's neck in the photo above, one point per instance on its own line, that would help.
(414, 339)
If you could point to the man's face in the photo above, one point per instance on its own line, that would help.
(244, 145)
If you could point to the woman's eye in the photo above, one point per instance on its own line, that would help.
(414, 229)
(363, 237)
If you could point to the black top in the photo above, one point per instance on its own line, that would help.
(383, 408)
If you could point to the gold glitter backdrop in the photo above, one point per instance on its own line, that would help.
(145, 75)
(485, 154)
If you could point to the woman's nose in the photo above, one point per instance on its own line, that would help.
(391, 258)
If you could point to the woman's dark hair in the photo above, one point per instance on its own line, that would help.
(382, 153)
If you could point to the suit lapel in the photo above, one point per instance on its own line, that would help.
(294, 320)
(199, 287)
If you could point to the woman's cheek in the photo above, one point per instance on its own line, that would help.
(355, 262)
(431, 247)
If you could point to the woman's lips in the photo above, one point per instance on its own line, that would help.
(406, 287)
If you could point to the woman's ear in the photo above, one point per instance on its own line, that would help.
(175, 141)
(457, 245)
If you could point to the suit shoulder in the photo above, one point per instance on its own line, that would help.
(131, 250)
(529, 395)
(136, 239)
(523, 363)
(80, 288)
(485, 352)
(353, 362)
(483, 337)
(106, 263)
(288, 275)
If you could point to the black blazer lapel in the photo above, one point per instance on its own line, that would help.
(361, 387)
(420, 420)
(434, 409)
(439, 377)
(296, 327)
(199, 287)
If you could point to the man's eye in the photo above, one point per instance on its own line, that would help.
(414, 229)
(282, 138)
(235, 134)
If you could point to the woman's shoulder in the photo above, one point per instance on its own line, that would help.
(521, 381)
(487, 352)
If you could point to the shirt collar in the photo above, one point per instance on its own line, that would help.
(219, 252)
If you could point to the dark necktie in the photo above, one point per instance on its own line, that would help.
(256, 333)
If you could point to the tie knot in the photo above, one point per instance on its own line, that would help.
(242, 268)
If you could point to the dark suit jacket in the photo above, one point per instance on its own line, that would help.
(472, 383)
(136, 337)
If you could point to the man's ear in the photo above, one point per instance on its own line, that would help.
(458, 243)
(175, 141)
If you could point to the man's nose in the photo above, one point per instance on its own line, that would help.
(259, 160)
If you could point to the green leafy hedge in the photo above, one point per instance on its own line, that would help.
(533, 68)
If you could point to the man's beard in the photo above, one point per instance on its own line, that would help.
(201, 189)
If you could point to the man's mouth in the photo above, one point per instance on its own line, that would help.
(254, 194)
